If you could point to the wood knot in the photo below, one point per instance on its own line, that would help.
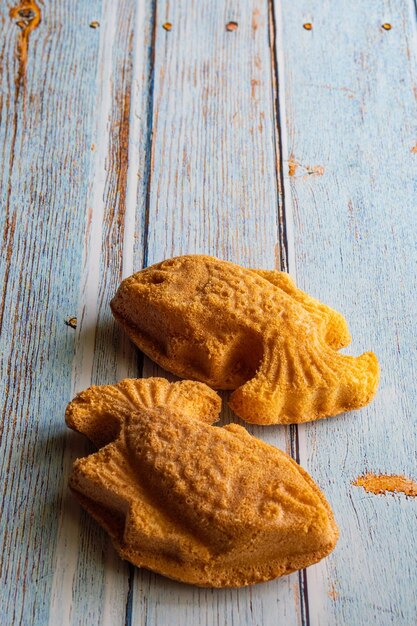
(27, 15)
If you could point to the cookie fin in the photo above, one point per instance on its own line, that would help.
(299, 382)
(99, 411)
(334, 326)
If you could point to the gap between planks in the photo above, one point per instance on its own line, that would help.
(285, 224)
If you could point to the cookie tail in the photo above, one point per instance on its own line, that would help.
(298, 383)
(98, 412)
(332, 324)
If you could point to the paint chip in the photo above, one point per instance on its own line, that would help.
(308, 26)
(386, 26)
(333, 593)
(94, 24)
(167, 26)
(231, 26)
(71, 322)
(381, 483)
(315, 170)
(292, 166)
(295, 168)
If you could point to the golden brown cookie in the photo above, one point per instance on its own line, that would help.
(201, 504)
(248, 330)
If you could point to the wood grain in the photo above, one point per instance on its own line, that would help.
(350, 126)
(46, 114)
(68, 194)
(114, 232)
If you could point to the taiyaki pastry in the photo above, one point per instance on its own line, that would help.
(251, 331)
(201, 504)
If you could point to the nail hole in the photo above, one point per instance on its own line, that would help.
(386, 26)
(71, 322)
(94, 24)
(231, 26)
(167, 26)
(308, 26)
(27, 14)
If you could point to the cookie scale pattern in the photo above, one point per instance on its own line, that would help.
(200, 504)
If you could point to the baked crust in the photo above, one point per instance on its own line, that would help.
(251, 331)
(200, 504)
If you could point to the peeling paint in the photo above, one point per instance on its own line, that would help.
(381, 483)
(304, 170)
(254, 83)
(333, 593)
(255, 19)
(317, 170)
(27, 16)
(292, 166)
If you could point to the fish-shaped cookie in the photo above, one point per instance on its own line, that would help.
(251, 331)
(200, 504)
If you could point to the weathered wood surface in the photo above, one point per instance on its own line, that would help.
(124, 144)
(351, 127)
(48, 88)
(214, 189)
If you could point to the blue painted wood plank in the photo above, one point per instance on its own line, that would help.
(350, 121)
(45, 138)
(71, 205)
(214, 189)
(86, 562)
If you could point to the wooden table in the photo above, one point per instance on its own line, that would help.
(288, 140)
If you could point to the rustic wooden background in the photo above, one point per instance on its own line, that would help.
(289, 141)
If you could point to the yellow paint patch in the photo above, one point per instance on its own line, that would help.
(27, 16)
(318, 170)
(292, 166)
(381, 483)
(305, 170)
(332, 593)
